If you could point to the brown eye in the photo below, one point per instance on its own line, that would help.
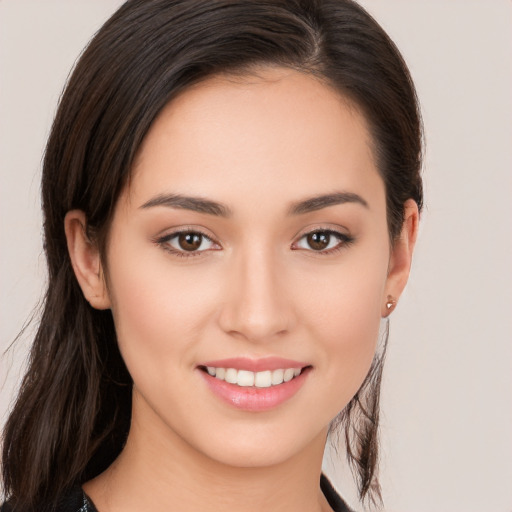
(323, 241)
(190, 241)
(187, 243)
(318, 240)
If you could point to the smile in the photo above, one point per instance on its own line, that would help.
(246, 378)
(255, 385)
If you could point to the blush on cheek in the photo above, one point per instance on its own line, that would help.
(357, 350)
(349, 329)
(159, 309)
(137, 315)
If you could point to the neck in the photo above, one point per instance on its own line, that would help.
(160, 472)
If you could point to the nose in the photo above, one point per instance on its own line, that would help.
(257, 306)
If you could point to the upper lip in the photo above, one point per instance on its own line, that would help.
(255, 365)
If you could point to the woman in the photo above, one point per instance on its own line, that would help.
(231, 194)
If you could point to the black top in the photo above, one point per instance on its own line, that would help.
(77, 501)
(333, 498)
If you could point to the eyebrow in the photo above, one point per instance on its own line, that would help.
(202, 205)
(318, 202)
(196, 204)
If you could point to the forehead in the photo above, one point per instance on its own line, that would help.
(277, 129)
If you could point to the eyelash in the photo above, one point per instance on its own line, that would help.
(164, 243)
(343, 242)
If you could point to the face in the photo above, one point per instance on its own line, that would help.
(248, 266)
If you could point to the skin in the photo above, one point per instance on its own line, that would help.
(258, 145)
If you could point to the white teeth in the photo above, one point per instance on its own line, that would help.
(245, 378)
(277, 377)
(263, 379)
(231, 376)
(288, 374)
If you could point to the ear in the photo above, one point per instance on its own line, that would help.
(86, 261)
(401, 258)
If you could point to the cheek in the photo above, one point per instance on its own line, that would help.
(344, 313)
(159, 313)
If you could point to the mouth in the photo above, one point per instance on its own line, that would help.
(254, 386)
(247, 378)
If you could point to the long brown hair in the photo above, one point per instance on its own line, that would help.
(72, 414)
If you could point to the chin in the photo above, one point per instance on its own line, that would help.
(256, 453)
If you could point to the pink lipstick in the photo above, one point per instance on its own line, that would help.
(254, 384)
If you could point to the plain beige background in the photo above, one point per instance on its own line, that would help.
(447, 397)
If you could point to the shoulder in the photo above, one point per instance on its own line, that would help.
(333, 498)
(75, 500)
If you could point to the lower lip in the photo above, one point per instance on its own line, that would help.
(252, 398)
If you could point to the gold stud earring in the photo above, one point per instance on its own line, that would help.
(390, 303)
